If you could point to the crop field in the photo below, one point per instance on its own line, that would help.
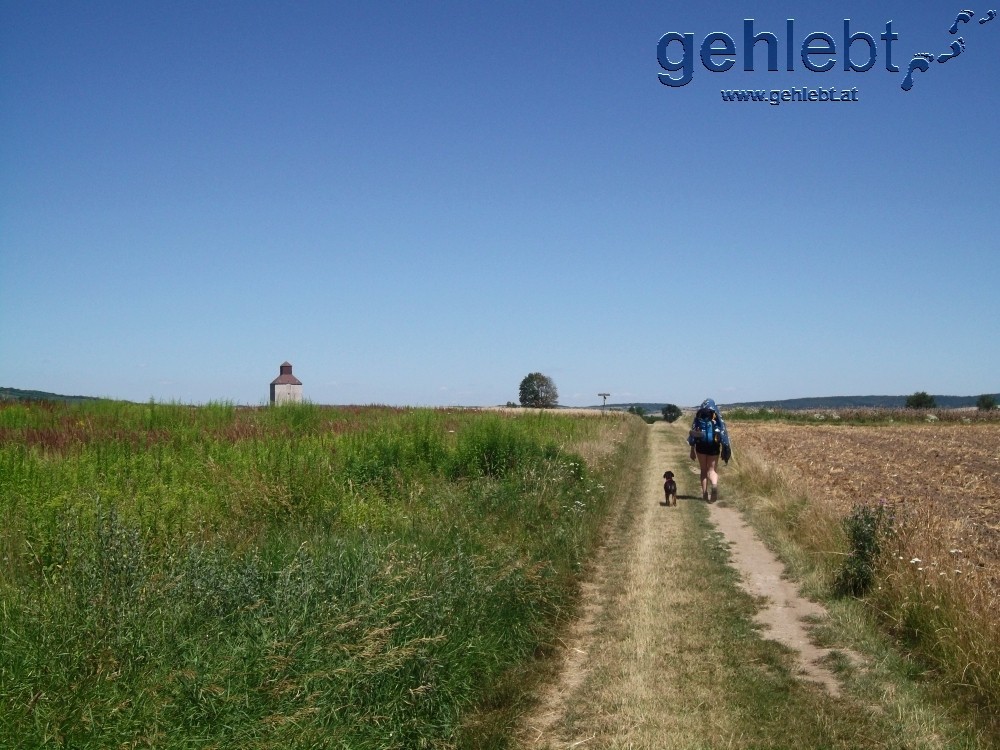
(947, 474)
(301, 576)
(909, 513)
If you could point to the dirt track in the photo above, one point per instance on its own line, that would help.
(631, 613)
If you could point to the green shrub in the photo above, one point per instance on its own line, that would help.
(867, 528)
(920, 400)
(671, 413)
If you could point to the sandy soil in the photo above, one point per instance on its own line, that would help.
(783, 616)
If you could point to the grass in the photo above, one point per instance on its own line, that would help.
(674, 658)
(677, 661)
(299, 577)
(928, 613)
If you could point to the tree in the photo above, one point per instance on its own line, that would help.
(637, 410)
(920, 400)
(671, 413)
(538, 391)
(986, 402)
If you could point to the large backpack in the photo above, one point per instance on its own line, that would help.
(705, 430)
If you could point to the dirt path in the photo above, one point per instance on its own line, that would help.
(783, 616)
(641, 622)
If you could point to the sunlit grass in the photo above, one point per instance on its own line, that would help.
(300, 576)
(921, 591)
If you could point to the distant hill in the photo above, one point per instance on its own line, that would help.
(16, 394)
(857, 402)
(824, 402)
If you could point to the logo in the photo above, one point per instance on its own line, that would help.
(815, 52)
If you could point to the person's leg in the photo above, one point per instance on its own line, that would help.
(704, 463)
(713, 477)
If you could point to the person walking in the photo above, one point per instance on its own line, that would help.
(709, 440)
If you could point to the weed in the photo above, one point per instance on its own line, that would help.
(867, 528)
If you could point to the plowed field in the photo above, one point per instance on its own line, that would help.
(946, 473)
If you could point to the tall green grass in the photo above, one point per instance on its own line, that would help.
(293, 577)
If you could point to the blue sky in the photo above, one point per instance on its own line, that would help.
(421, 203)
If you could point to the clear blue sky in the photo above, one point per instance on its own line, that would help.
(421, 203)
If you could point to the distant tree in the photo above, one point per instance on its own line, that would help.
(671, 413)
(538, 391)
(920, 400)
(986, 402)
(641, 412)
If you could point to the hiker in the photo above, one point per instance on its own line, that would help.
(709, 440)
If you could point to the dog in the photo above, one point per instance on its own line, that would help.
(669, 488)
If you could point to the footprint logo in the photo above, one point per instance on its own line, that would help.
(922, 62)
(957, 48)
(964, 16)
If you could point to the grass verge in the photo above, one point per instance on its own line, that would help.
(930, 632)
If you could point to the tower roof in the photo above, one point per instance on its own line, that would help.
(286, 377)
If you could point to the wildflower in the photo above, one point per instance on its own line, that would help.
(915, 560)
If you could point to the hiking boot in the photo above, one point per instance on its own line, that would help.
(715, 494)
(704, 495)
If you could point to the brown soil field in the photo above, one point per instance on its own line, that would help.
(948, 473)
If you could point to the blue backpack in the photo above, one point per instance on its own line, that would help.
(705, 430)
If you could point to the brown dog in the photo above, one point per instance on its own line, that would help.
(669, 488)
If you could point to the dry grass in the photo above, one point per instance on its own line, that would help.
(939, 585)
(670, 656)
(641, 675)
(947, 472)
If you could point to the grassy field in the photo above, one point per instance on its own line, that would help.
(907, 515)
(180, 577)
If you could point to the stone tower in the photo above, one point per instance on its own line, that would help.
(286, 388)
